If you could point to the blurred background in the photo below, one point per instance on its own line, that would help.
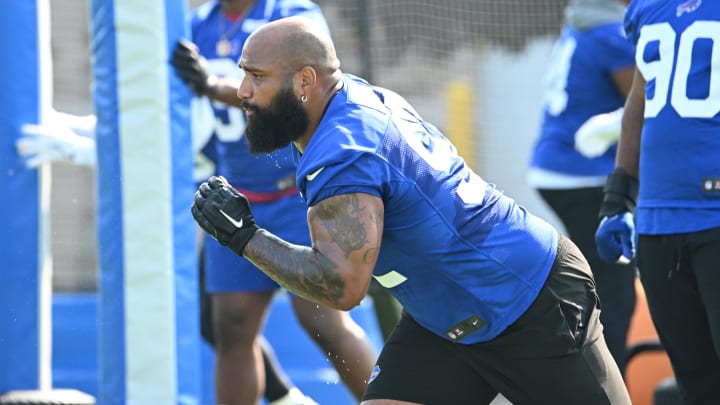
(474, 68)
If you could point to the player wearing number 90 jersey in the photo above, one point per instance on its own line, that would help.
(678, 55)
(670, 142)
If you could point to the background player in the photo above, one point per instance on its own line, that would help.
(670, 140)
(589, 77)
(241, 295)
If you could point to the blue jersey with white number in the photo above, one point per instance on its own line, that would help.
(453, 245)
(264, 172)
(578, 86)
(678, 54)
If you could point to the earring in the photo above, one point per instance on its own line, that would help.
(303, 98)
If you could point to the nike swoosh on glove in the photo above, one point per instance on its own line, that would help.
(224, 213)
(615, 237)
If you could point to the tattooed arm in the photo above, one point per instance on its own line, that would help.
(346, 231)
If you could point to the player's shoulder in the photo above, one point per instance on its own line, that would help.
(639, 5)
(356, 106)
(638, 10)
(609, 35)
(297, 3)
(286, 8)
(633, 15)
(277, 9)
(353, 120)
(202, 13)
(611, 29)
(678, 13)
(305, 8)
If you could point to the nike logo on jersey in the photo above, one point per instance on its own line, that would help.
(311, 176)
(232, 220)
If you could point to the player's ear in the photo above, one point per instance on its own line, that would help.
(306, 79)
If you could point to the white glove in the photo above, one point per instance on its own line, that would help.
(83, 125)
(55, 142)
(598, 134)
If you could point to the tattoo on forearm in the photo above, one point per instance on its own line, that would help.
(297, 268)
(349, 232)
(307, 271)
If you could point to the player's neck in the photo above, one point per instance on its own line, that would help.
(318, 106)
(236, 9)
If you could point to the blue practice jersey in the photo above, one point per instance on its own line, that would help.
(578, 86)
(220, 41)
(454, 247)
(678, 54)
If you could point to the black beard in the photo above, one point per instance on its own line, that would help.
(275, 126)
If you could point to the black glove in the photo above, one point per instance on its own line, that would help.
(191, 66)
(224, 213)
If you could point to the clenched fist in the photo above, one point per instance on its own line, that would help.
(224, 213)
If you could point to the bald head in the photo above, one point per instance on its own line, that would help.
(291, 74)
(292, 43)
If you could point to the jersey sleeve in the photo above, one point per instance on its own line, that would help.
(200, 14)
(363, 175)
(304, 8)
(342, 155)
